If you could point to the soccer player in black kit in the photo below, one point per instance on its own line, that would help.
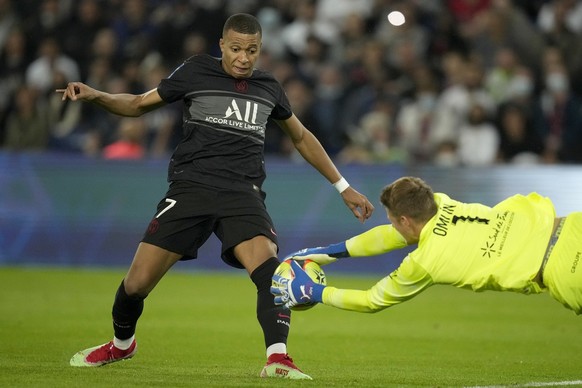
(216, 174)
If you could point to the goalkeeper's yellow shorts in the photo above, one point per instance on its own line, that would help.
(563, 272)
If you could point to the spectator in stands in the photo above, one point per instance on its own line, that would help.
(521, 88)
(300, 97)
(40, 73)
(111, 40)
(504, 25)
(131, 136)
(304, 25)
(162, 126)
(271, 20)
(26, 125)
(372, 142)
(14, 60)
(452, 67)
(9, 20)
(411, 38)
(51, 18)
(455, 101)
(87, 21)
(363, 70)
(561, 24)
(368, 84)
(134, 29)
(313, 59)
(194, 43)
(445, 36)
(561, 121)
(478, 142)
(353, 37)
(499, 77)
(98, 127)
(446, 154)
(414, 119)
(464, 12)
(334, 13)
(519, 141)
(329, 94)
(106, 46)
(560, 14)
(178, 22)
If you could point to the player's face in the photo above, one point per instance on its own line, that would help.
(240, 53)
(404, 226)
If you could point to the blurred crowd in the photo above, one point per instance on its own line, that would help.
(461, 82)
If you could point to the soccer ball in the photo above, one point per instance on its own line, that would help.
(313, 270)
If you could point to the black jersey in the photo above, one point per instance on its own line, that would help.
(224, 122)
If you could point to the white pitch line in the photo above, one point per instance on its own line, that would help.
(532, 384)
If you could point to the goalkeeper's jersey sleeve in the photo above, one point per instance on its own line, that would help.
(404, 283)
(378, 240)
(467, 245)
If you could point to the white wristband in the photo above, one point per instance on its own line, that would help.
(341, 185)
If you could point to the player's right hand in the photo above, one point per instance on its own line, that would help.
(321, 255)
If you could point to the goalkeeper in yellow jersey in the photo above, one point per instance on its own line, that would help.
(517, 245)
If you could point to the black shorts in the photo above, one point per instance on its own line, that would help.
(191, 212)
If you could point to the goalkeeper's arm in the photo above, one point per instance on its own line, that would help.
(409, 280)
(376, 241)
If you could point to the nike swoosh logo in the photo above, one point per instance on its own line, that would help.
(283, 316)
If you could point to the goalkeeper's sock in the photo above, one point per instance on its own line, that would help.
(126, 311)
(274, 320)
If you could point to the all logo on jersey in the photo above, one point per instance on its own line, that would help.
(239, 114)
(250, 112)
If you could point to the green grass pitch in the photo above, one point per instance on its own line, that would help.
(199, 330)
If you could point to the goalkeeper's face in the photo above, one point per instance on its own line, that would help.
(406, 226)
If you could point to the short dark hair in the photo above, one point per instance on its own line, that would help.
(242, 23)
(411, 197)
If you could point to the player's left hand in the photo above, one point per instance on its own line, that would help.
(358, 204)
(300, 289)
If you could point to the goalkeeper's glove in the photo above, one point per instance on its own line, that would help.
(301, 289)
(321, 255)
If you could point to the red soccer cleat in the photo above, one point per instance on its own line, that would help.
(281, 365)
(103, 354)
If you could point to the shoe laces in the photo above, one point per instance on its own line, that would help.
(105, 352)
(282, 358)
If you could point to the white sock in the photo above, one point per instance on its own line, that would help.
(123, 344)
(279, 347)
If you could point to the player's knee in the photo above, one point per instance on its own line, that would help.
(263, 274)
(135, 288)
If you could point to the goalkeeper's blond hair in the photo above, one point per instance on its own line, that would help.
(411, 197)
